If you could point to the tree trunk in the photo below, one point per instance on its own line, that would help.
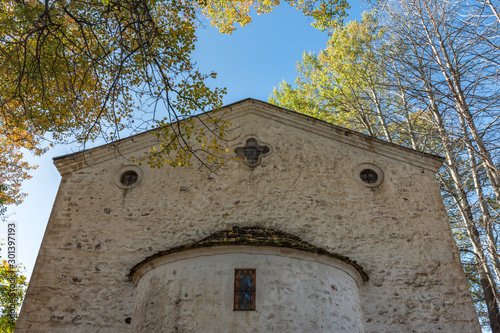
(380, 114)
(452, 77)
(491, 304)
(462, 201)
(486, 216)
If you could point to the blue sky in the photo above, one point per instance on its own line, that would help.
(250, 62)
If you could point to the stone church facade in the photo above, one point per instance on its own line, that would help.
(315, 228)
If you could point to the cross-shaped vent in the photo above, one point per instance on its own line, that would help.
(252, 151)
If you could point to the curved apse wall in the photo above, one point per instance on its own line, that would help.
(296, 291)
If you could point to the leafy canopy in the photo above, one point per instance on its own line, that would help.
(349, 84)
(12, 289)
(223, 14)
(336, 84)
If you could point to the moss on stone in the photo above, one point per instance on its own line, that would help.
(253, 236)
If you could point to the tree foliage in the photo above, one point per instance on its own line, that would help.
(79, 70)
(330, 84)
(12, 289)
(223, 14)
(346, 83)
(13, 170)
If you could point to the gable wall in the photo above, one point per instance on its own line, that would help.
(398, 231)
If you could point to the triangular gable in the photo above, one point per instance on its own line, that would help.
(237, 110)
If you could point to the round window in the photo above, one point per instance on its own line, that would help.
(368, 176)
(129, 177)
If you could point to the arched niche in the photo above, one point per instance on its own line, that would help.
(297, 286)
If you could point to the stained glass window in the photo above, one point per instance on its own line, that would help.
(244, 290)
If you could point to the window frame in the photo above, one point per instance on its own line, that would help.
(237, 291)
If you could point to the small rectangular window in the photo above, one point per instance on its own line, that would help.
(244, 289)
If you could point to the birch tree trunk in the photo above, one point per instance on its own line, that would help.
(452, 75)
(485, 210)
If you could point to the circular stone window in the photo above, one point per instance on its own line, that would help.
(128, 177)
(369, 174)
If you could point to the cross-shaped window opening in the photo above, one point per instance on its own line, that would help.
(244, 289)
(252, 151)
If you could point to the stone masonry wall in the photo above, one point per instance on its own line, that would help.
(306, 186)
